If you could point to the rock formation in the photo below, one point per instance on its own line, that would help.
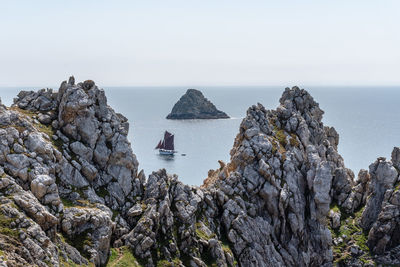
(71, 193)
(193, 105)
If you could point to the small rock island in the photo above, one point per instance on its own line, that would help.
(193, 105)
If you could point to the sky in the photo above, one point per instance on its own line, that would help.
(208, 42)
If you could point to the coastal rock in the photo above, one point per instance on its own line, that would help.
(193, 105)
(71, 192)
(92, 227)
(383, 178)
(26, 228)
(45, 189)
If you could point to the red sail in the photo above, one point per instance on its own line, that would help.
(167, 135)
(169, 143)
(159, 145)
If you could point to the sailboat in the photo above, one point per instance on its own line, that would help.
(166, 146)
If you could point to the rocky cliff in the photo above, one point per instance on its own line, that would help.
(71, 193)
(193, 105)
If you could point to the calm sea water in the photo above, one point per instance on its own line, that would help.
(365, 117)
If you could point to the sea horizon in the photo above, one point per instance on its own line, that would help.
(355, 112)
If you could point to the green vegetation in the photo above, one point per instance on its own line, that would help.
(201, 234)
(274, 147)
(65, 262)
(208, 258)
(67, 203)
(334, 206)
(74, 157)
(279, 142)
(102, 191)
(70, 263)
(28, 113)
(80, 190)
(144, 206)
(351, 233)
(57, 144)
(293, 140)
(47, 129)
(122, 257)
(176, 261)
(280, 135)
(227, 248)
(79, 242)
(5, 229)
(164, 263)
(19, 128)
(397, 186)
(114, 214)
(114, 255)
(206, 255)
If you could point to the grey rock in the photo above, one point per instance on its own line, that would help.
(396, 157)
(136, 210)
(193, 105)
(268, 206)
(36, 143)
(335, 219)
(80, 149)
(383, 176)
(45, 119)
(41, 184)
(96, 226)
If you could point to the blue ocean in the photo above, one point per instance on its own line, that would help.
(366, 118)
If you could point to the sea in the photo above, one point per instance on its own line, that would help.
(366, 118)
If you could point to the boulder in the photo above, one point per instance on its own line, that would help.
(94, 228)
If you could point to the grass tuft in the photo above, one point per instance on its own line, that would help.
(5, 223)
(122, 257)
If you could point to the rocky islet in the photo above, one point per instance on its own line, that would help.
(71, 192)
(193, 105)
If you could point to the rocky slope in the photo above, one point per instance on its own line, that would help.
(193, 105)
(71, 193)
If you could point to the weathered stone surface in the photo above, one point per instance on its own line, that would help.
(70, 189)
(94, 226)
(193, 105)
(383, 177)
(36, 143)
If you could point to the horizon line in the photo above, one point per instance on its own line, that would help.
(212, 85)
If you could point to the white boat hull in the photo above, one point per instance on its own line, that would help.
(166, 152)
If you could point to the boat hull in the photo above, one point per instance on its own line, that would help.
(166, 152)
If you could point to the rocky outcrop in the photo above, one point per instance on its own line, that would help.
(193, 105)
(381, 217)
(94, 226)
(69, 152)
(71, 192)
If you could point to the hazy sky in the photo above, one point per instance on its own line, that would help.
(207, 42)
